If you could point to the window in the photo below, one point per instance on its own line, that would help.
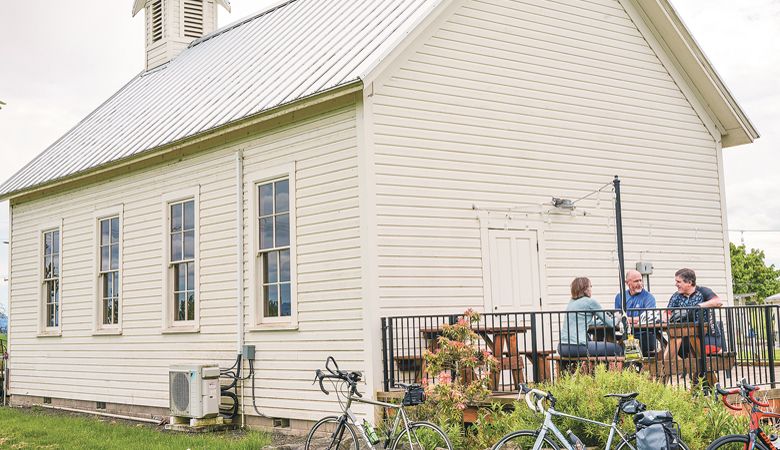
(108, 270)
(51, 278)
(182, 259)
(274, 248)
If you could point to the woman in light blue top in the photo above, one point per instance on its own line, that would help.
(574, 332)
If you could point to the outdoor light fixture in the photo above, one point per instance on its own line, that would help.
(563, 203)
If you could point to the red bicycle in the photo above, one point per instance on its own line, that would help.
(756, 439)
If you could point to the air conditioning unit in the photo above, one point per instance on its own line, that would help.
(194, 391)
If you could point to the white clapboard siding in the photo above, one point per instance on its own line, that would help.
(133, 368)
(506, 104)
(328, 271)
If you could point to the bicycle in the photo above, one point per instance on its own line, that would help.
(539, 439)
(756, 439)
(338, 433)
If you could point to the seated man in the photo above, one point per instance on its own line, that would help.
(638, 300)
(690, 295)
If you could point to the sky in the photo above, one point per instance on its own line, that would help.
(60, 60)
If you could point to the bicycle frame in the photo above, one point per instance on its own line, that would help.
(399, 418)
(548, 425)
(756, 433)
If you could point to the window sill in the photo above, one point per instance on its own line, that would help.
(53, 333)
(277, 326)
(107, 333)
(180, 330)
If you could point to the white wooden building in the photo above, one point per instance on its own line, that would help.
(420, 142)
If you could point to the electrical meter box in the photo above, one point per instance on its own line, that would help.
(645, 268)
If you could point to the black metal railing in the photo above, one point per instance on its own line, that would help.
(677, 346)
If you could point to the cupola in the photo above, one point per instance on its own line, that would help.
(171, 25)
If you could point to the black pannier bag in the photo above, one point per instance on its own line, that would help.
(656, 430)
(632, 406)
(414, 396)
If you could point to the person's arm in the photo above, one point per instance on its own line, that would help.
(711, 299)
(672, 304)
(649, 316)
(599, 316)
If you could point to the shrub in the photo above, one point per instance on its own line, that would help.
(462, 374)
(583, 395)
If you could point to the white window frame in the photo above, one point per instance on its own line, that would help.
(169, 325)
(43, 328)
(99, 327)
(254, 180)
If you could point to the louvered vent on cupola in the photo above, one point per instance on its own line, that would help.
(157, 20)
(172, 25)
(193, 18)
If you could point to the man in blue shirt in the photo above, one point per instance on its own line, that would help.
(638, 300)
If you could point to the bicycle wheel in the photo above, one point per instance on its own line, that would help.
(422, 436)
(524, 440)
(332, 434)
(632, 440)
(734, 442)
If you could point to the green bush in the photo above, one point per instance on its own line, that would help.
(702, 419)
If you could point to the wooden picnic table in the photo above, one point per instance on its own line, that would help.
(678, 334)
(502, 340)
(604, 333)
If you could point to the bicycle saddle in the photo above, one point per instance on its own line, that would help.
(628, 396)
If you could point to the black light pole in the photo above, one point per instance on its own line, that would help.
(619, 229)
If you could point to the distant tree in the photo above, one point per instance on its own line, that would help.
(749, 272)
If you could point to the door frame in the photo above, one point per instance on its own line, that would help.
(492, 221)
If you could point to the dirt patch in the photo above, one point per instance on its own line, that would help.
(282, 441)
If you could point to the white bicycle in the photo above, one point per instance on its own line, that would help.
(338, 433)
(541, 438)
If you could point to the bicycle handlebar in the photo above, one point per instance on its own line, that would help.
(327, 365)
(754, 400)
(747, 391)
(534, 394)
(351, 378)
(724, 393)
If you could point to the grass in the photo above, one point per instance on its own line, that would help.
(37, 428)
(760, 354)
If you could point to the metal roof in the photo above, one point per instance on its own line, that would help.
(292, 51)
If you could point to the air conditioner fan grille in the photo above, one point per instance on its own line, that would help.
(180, 391)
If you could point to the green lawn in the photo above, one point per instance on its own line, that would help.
(43, 429)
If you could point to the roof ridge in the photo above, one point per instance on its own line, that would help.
(240, 22)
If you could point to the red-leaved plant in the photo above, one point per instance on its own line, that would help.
(460, 371)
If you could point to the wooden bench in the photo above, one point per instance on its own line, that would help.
(716, 362)
(542, 363)
(515, 363)
(722, 361)
(586, 364)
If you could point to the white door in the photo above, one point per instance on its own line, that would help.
(514, 271)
